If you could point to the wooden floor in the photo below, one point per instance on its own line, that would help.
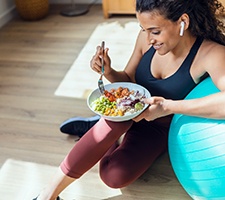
(34, 58)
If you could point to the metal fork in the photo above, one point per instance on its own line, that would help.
(100, 82)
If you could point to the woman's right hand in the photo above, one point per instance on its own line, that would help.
(96, 62)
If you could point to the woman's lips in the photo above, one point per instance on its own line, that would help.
(157, 46)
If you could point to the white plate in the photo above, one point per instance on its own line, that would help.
(131, 86)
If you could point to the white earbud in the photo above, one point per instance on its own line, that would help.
(182, 24)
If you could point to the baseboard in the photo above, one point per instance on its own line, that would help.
(6, 16)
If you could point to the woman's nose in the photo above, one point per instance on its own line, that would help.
(150, 40)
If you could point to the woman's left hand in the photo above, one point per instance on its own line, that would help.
(155, 110)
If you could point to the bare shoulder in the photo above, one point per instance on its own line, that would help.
(142, 43)
(212, 51)
(213, 56)
(140, 48)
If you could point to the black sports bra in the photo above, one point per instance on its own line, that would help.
(177, 86)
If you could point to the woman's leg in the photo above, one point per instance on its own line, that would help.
(142, 144)
(85, 154)
(56, 186)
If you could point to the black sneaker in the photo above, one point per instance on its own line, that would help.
(78, 125)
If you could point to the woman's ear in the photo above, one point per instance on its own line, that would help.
(184, 23)
(185, 18)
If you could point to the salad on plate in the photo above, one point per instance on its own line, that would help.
(119, 102)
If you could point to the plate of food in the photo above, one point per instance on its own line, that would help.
(121, 101)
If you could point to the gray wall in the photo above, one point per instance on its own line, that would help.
(7, 8)
(6, 11)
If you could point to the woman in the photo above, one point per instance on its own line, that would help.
(180, 43)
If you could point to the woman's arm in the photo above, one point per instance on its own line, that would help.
(128, 74)
(212, 106)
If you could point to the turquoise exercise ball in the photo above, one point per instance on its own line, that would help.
(197, 150)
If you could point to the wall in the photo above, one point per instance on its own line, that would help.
(7, 11)
(76, 1)
(7, 8)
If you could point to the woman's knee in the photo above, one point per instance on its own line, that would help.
(115, 178)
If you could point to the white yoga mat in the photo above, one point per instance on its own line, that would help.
(21, 180)
(80, 79)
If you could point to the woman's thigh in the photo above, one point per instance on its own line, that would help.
(93, 146)
(142, 144)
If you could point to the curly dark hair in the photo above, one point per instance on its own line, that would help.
(204, 15)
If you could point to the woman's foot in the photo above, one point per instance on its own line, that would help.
(78, 125)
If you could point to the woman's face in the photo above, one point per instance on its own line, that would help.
(161, 33)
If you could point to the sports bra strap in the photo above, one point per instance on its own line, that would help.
(193, 51)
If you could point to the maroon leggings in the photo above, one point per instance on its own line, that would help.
(121, 164)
